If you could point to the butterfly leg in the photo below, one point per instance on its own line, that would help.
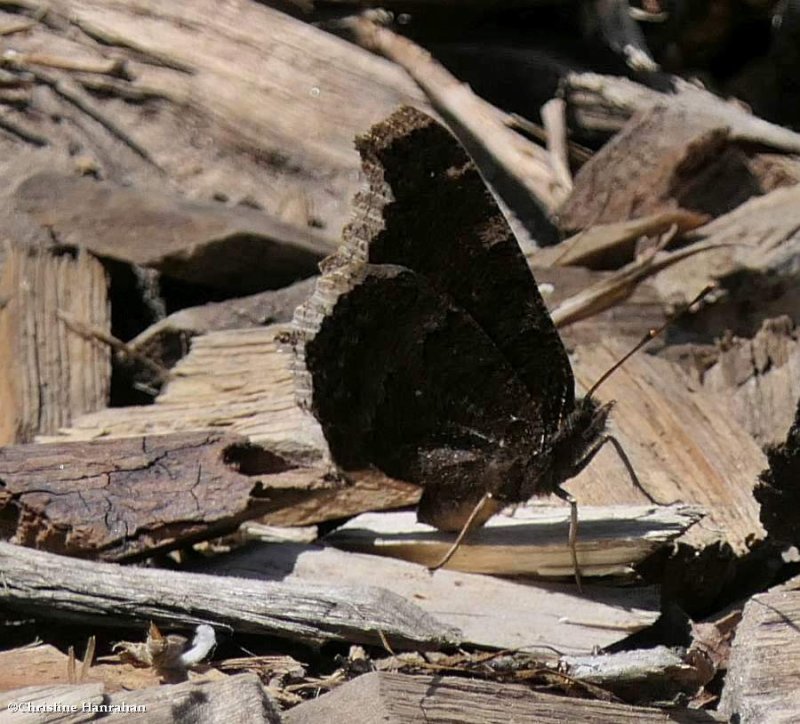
(463, 533)
(573, 532)
(629, 467)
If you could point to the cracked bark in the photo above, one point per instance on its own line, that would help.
(122, 498)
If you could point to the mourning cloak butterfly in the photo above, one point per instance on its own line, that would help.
(426, 349)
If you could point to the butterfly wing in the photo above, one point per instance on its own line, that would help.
(401, 378)
(428, 209)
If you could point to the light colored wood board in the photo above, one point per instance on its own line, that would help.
(489, 611)
(240, 100)
(50, 586)
(62, 698)
(683, 443)
(49, 374)
(399, 699)
(763, 680)
(237, 699)
(760, 379)
(239, 380)
(530, 541)
(761, 237)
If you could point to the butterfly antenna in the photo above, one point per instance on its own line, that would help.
(644, 340)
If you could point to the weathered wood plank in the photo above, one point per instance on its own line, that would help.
(543, 618)
(242, 102)
(51, 586)
(241, 381)
(236, 250)
(116, 498)
(399, 699)
(48, 373)
(763, 680)
(531, 541)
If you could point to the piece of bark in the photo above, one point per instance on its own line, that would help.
(233, 250)
(778, 488)
(761, 684)
(121, 498)
(664, 159)
(50, 375)
(657, 674)
(760, 378)
(399, 699)
(491, 612)
(682, 442)
(530, 542)
(242, 102)
(604, 103)
(104, 594)
(166, 341)
(64, 697)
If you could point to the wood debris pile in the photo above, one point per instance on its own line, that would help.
(216, 218)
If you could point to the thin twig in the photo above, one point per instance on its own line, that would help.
(88, 332)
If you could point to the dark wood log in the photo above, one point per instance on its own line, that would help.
(399, 699)
(49, 374)
(114, 499)
(104, 594)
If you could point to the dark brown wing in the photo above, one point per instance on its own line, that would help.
(428, 209)
(401, 378)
